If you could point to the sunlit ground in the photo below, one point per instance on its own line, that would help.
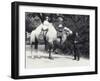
(40, 59)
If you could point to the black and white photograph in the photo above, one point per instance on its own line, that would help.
(56, 40)
(51, 40)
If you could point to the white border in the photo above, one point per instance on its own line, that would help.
(23, 71)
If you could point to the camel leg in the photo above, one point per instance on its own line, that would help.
(45, 46)
(50, 57)
(55, 47)
(50, 48)
(31, 51)
(36, 44)
(45, 42)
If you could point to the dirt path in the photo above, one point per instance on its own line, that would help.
(41, 60)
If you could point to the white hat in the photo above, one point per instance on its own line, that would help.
(60, 25)
(65, 28)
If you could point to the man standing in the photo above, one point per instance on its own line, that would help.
(76, 47)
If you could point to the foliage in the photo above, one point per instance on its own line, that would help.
(77, 23)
